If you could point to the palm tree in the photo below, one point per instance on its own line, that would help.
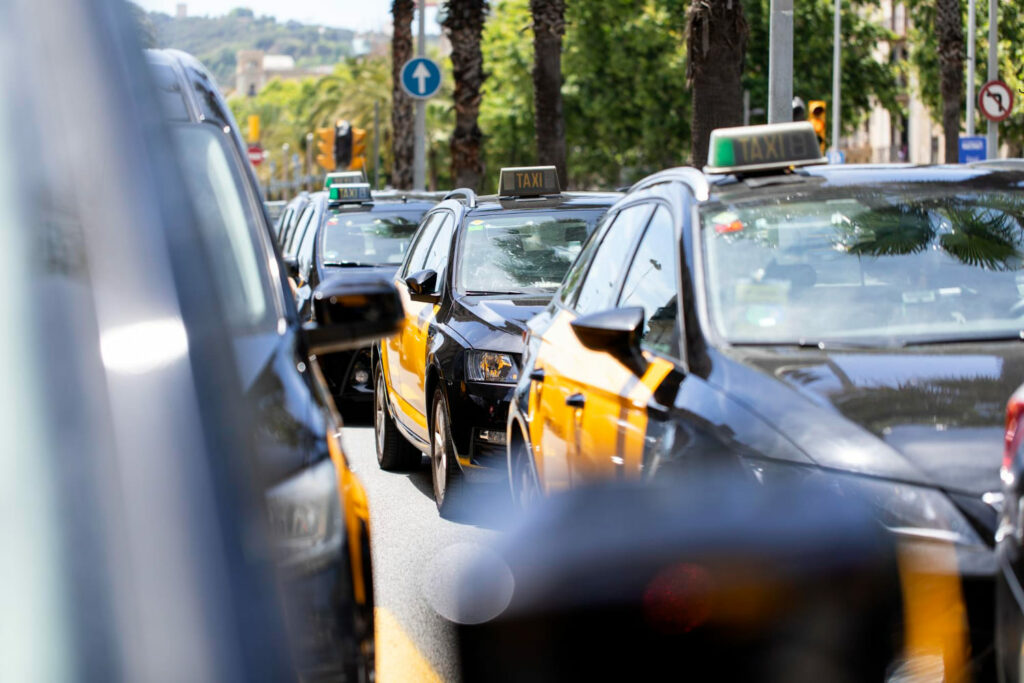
(403, 123)
(716, 36)
(950, 33)
(549, 122)
(464, 24)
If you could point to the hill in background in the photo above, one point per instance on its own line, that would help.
(216, 40)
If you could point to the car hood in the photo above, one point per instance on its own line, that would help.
(933, 417)
(495, 323)
(385, 271)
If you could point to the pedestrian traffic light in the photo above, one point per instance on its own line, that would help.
(325, 146)
(342, 144)
(358, 161)
(817, 117)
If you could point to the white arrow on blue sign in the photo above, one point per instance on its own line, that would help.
(421, 78)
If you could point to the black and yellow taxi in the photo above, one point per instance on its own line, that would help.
(857, 323)
(477, 270)
(350, 233)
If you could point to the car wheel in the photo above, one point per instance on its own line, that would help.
(393, 451)
(522, 476)
(444, 470)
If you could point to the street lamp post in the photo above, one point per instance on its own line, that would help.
(309, 161)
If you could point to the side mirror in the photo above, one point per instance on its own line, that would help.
(291, 267)
(421, 286)
(616, 331)
(352, 312)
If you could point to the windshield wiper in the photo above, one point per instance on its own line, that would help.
(935, 341)
(484, 292)
(812, 344)
(348, 264)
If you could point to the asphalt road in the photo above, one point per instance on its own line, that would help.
(417, 560)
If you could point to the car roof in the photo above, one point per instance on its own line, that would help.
(565, 200)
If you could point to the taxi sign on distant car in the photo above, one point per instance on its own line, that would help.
(343, 177)
(528, 181)
(350, 193)
(762, 148)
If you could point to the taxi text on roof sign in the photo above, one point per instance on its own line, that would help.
(343, 177)
(528, 181)
(353, 193)
(761, 148)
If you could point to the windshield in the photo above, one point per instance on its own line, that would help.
(523, 252)
(885, 266)
(367, 238)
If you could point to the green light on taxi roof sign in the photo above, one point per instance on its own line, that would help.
(352, 193)
(343, 178)
(528, 181)
(762, 148)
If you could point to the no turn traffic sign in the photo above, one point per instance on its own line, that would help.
(995, 101)
(255, 155)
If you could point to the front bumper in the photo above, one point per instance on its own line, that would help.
(479, 418)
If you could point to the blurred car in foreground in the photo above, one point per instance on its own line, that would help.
(1009, 639)
(715, 579)
(856, 323)
(136, 547)
(477, 270)
(317, 507)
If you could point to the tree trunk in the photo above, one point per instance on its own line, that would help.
(549, 122)
(464, 25)
(403, 118)
(716, 36)
(949, 29)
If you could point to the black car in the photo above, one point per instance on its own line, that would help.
(1010, 546)
(347, 232)
(478, 269)
(854, 324)
(290, 216)
(296, 428)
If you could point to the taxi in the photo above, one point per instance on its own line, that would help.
(349, 233)
(477, 270)
(791, 318)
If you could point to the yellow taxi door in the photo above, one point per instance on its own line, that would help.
(615, 398)
(571, 371)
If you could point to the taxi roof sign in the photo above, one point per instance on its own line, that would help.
(350, 193)
(343, 177)
(528, 181)
(762, 148)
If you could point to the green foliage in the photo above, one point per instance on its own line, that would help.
(863, 77)
(215, 40)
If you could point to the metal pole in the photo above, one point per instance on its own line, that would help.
(376, 144)
(419, 173)
(836, 76)
(780, 62)
(746, 107)
(971, 31)
(309, 162)
(993, 71)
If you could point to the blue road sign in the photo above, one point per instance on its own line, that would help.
(973, 148)
(421, 78)
(835, 156)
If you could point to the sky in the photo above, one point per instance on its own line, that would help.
(361, 15)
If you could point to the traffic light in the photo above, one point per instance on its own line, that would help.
(325, 145)
(358, 161)
(817, 118)
(254, 129)
(342, 144)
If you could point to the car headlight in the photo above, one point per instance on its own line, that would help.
(914, 511)
(305, 517)
(491, 366)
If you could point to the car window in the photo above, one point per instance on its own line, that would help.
(651, 284)
(421, 243)
(284, 220)
(172, 99)
(228, 225)
(296, 235)
(601, 282)
(367, 237)
(304, 254)
(437, 257)
(574, 277)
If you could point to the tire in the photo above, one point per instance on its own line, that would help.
(444, 471)
(394, 453)
(523, 483)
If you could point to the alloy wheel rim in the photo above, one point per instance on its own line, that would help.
(440, 459)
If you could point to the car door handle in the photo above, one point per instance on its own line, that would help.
(576, 401)
(537, 375)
